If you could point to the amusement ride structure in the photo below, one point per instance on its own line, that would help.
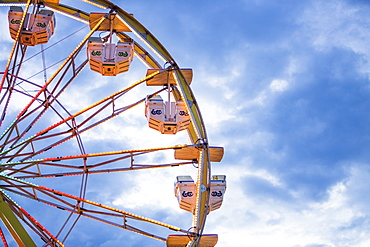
(52, 142)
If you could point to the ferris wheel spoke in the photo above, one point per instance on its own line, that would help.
(22, 168)
(90, 171)
(72, 132)
(17, 59)
(63, 205)
(32, 223)
(90, 155)
(10, 78)
(49, 97)
(71, 203)
(40, 109)
(68, 63)
(12, 87)
(15, 44)
(75, 131)
(101, 105)
(98, 215)
(5, 243)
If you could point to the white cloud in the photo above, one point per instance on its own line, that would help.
(336, 221)
(278, 85)
(338, 24)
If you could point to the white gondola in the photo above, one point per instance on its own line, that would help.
(185, 193)
(166, 117)
(37, 28)
(109, 59)
(218, 188)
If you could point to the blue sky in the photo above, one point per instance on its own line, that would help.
(284, 88)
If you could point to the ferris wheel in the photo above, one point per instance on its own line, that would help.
(92, 105)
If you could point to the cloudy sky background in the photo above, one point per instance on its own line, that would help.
(284, 88)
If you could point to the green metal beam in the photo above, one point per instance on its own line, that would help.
(15, 228)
